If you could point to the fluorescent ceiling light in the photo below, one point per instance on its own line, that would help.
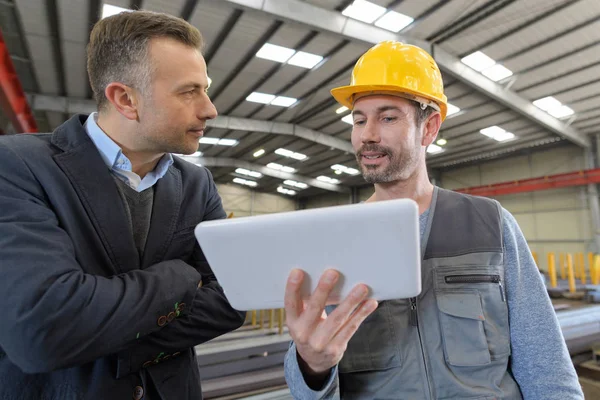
(305, 60)
(284, 152)
(291, 154)
(263, 98)
(338, 172)
(280, 167)
(364, 11)
(327, 179)
(196, 154)
(478, 61)
(341, 110)
(452, 109)
(259, 153)
(220, 142)
(109, 10)
(208, 140)
(497, 133)
(248, 172)
(343, 168)
(348, 119)
(434, 149)
(283, 101)
(245, 182)
(283, 190)
(497, 72)
(275, 53)
(547, 103)
(562, 112)
(553, 107)
(394, 21)
(227, 142)
(300, 185)
(441, 142)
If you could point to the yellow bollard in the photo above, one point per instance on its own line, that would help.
(597, 269)
(535, 258)
(593, 269)
(570, 273)
(253, 318)
(563, 268)
(590, 262)
(281, 321)
(271, 318)
(262, 319)
(552, 269)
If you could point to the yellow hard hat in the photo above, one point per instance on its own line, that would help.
(396, 68)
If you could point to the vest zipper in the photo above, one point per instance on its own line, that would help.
(414, 321)
(477, 278)
(413, 312)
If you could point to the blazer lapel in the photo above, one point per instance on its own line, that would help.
(92, 180)
(165, 212)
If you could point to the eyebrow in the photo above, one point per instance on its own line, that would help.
(190, 85)
(380, 110)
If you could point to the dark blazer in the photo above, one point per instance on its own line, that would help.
(82, 316)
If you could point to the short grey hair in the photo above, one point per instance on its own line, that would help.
(118, 48)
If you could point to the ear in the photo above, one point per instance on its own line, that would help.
(431, 127)
(123, 98)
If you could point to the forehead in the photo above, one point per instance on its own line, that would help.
(174, 59)
(377, 101)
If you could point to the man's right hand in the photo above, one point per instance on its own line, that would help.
(321, 339)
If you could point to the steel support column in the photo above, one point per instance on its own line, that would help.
(594, 202)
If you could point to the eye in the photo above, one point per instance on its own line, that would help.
(359, 122)
(389, 119)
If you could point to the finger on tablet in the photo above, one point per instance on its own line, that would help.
(343, 312)
(293, 300)
(318, 300)
(351, 326)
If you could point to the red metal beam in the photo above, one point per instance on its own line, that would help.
(12, 97)
(577, 178)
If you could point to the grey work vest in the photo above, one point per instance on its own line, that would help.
(452, 341)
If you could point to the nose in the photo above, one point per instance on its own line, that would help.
(370, 133)
(207, 110)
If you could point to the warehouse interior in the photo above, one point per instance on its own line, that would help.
(522, 78)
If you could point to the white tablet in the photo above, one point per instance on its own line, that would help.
(372, 243)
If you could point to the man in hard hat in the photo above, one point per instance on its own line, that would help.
(483, 326)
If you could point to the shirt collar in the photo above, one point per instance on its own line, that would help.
(111, 152)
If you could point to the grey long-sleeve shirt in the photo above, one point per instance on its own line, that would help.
(540, 361)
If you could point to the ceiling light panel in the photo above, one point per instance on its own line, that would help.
(305, 60)
(364, 11)
(394, 21)
(478, 61)
(275, 53)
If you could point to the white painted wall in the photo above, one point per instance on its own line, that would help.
(243, 202)
(552, 220)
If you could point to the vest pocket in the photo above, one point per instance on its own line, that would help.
(463, 334)
(374, 346)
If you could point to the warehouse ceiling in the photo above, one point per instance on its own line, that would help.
(550, 48)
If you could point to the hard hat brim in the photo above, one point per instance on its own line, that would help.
(345, 95)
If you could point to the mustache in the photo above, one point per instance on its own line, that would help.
(374, 148)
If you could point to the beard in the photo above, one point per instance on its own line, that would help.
(398, 167)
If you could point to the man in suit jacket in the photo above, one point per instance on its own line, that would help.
(104, 288)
